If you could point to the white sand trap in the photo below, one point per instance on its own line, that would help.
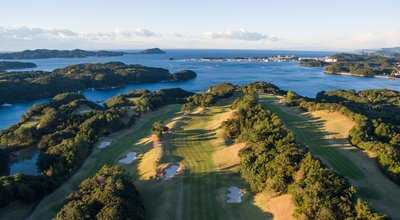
(129, 158)
(171, 171)
(104, 144)
(234, 195)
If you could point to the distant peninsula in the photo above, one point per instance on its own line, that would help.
(22, 86)
(365, 65)
(45, 54)
(12, 65)
(152, 51)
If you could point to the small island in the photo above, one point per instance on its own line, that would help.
(9, 65)
(45, 54)
(152, 51)
(21, 86)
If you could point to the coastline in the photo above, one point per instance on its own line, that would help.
(351, 74)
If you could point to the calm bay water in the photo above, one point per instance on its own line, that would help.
(289, 76)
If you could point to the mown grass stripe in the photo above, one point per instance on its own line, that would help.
(307, 133)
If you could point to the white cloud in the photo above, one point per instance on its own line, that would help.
(25, 33)
(19, 38)
(145, 33)
(241, 34)
(378, 39)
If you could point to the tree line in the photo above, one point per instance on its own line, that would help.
(377, 116)
(109, 194)
(274, 161)
(209, 97)
(65, 130)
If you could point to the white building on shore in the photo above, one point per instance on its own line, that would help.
(330, 60)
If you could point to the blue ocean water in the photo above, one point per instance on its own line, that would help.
(289, 76)
(26, 162)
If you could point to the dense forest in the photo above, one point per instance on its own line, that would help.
(274, 161)
(10, 65)
(65, 130)
(209, 97)
(313, 63)
(20, 86)
(45, 53)
(377, 114)
(110, 194)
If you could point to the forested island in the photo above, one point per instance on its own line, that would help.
(46, 53)
(77, 53)
(152, 51)
(21, 86)
(10, 65)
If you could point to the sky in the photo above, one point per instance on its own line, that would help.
(189, 24)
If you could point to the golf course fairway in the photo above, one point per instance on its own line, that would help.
(325, 136)
(199, 192)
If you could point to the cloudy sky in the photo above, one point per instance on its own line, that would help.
(236, 24)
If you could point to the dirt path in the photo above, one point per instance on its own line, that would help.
(373, 185)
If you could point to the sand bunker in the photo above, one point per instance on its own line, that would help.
(217, 119)
(129, 158)
(228, 157)
(335, 123)
(148, 164)
(104, 144)
(234, 195)
(281, 207)
(170, 171)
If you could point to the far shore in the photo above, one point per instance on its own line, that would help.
(351, 74)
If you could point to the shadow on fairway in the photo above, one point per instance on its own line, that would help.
(310, 132)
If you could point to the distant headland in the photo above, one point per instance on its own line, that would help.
(45, 54)
(12, 65)
(76, 53)
(365, 64)
(28, 85)
(152, 51)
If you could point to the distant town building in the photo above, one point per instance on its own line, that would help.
(330, 60)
